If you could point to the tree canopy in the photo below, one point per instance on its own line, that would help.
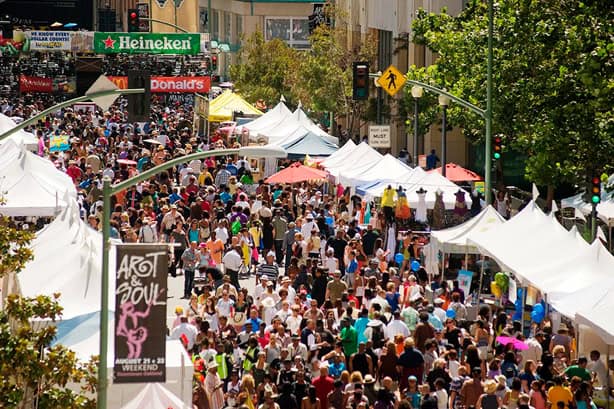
(553, 82)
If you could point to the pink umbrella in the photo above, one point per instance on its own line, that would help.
(126, 162)
(516, 343)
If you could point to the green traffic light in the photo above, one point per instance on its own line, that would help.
(596, 199)
(497, 155)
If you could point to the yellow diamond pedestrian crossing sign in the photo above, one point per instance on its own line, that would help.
(391, 80)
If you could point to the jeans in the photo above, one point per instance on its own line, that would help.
(188, 282)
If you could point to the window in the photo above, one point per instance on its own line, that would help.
(204, 23)
(227, 22)
(238, 28)
(384, 52)
(292, 30)
(215, 24)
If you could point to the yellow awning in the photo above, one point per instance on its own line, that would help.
(222, 107)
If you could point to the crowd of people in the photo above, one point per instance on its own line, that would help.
(333, 320)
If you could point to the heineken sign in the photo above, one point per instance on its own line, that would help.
(146, 43)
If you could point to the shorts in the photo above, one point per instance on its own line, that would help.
(483, 353)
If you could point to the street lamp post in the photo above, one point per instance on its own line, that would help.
(107, 191)
(444, 101)
(416, 92)
(378, 119)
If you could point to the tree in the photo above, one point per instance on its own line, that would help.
(553, 88)
(264, 69)
(320, 78)
(32, 372)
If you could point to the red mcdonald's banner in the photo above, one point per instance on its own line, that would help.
(35, 84)
(171, 84)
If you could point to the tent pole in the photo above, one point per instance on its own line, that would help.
(443, 264)
(481, 280)
(609, 383)
(524, 301)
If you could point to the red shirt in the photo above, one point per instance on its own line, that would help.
(74, 172)
(323, 385)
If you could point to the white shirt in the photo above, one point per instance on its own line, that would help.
(222, 234)
(232, 261)
(599, 368)
(396, 327)
(223, 307)
(441, 314)
(188, 330)
(306, 229)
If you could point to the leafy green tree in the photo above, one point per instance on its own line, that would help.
(264, 69)
(553, 88)
(32, 372)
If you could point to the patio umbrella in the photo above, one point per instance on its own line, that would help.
(297, 173)
(152, 141)
(126, 162)
(457, 173)
(516, 343)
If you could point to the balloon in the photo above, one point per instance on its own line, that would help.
(398, 258)
(415, 265)
(537, 318)
(107, 132)
(329, 220)
(539, 309)
(495, 289)
(451, 313)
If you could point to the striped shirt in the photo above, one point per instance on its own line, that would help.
(270, 271)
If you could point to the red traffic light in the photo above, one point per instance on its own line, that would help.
(596, 181)
(133, 15)
(497, 139)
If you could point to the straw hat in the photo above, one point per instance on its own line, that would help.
(490, 386)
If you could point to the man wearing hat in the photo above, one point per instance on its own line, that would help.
(309, 226)
(269, 268)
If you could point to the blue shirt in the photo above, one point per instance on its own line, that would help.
(173, 197)
(435, 322)
(335, 370)
(352, 267)
(360, 326)
(225, 197)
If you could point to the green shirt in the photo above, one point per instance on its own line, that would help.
(578, 371)
(349, 339)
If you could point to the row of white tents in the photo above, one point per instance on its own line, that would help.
(293, 131)
(576, 277)
(31, 185)
(369, 172)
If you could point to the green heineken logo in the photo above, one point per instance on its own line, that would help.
(149, 43)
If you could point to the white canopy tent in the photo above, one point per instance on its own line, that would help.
(388, 168)
(156, 396)
(340, 155)
(362, 156)
(31, 185)
(276, 132)
(271, 118)
(454, 239)
(67, 260)
(540, 252)
(84, 339)
(431, 182)
(20, 137)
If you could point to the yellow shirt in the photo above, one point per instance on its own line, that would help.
(559, 394)
(388, 197)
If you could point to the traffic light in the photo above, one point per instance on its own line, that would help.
(133, 21)
(497, 149)
(360, 81)
(138, 104)
(213, 63)
(595, 189)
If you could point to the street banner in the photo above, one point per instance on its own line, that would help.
(170, 84)
(35, 84)
(62, 84)
(59, 143)
(140, 313)
(49, 40)
(146, 43)
(464, 280)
